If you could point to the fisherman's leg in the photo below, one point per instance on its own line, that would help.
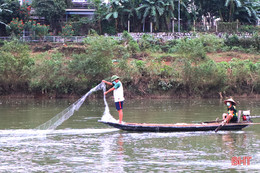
(224, 115)
(229, 117)
(119, 107)
(120, 112)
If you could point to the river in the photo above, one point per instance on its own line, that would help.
(81, 144)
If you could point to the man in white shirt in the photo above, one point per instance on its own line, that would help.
(118, 94)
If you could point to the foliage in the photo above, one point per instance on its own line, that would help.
(51, 10)
(148, 42)
(96, 63)
(67, 30)
(51, 75)
(131, 45)
(249, 29)
(16, 27)
(243, 76)
(205, 78)
(244, 42)
(15, 67)
(191, 49)
(211, 43)
(25, 12)
(37, 29)
(3, 8)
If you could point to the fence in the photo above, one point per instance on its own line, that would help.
(164, 36)
(54, 39)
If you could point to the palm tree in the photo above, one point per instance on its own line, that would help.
(231, 4)
(169, 13)
(3, 7)
(247, 13)
(114, 9)
(152, 9)
(131, 11)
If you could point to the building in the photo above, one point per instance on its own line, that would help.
(25, 1)
(83, 8)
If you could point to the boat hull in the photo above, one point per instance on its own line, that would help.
(138, 127)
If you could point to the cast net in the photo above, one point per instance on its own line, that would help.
(68, 112)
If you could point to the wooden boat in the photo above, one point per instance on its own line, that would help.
(179, 127)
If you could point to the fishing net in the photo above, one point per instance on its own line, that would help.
(68, 112)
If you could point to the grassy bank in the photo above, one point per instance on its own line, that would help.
(205, 67)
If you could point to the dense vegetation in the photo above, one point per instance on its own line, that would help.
(119, 15)
(147, 67)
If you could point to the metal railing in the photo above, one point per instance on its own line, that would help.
(136, 36)
(54, 39)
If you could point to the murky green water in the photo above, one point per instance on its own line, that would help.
(81, 144)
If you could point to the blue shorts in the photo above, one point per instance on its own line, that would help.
(119, 105)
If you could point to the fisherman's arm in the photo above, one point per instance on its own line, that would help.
(111, 89)
(106, 82)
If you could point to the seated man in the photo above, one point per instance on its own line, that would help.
(231, 116)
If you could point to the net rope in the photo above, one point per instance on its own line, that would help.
(69, 111)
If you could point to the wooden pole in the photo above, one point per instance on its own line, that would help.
(128, 24)
(172, 25)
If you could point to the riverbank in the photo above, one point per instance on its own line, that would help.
(201, 67)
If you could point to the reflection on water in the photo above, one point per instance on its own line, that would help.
(81, 144)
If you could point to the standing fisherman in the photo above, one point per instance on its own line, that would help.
(118, 92)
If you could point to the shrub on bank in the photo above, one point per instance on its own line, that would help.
(245, 44)
(15, 67)
(51, 75)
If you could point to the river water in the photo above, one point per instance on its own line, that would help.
(81, 144)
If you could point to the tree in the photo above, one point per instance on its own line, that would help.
(9, 10)
(232, 4)
(168, 15)
(152, 10)
(249, 12)
(3, 8)
(52, 11)
(114, 9)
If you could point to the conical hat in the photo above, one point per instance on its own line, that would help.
(230, 100)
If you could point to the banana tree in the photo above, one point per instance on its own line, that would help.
(115, 8)
(169, 13)
(249, 12)
(232, 4)
(152, 10)
(3, 7)
(130, 11)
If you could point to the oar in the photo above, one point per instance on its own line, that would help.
(220, 126)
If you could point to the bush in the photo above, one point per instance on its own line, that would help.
(94, 65)
(148, 42)
(191, 49)
(242, 75)
(15, 67)
(203, 79)
(211, 43)
(249, 29)
(252, 43)
(51, 75)
(130, 43)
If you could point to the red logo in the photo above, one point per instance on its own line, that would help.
(241, 160)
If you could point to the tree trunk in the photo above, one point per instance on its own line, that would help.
(151, 27)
